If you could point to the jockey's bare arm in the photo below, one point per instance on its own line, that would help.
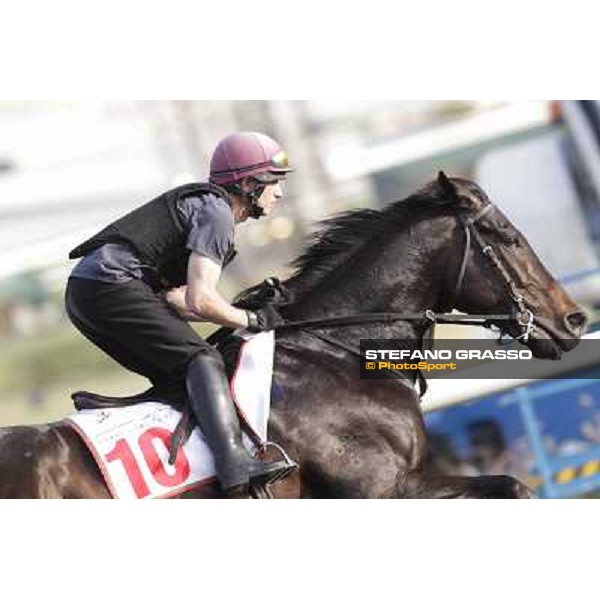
(176, 299)
(200, 299)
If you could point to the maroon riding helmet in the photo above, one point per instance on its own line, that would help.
(248, 154)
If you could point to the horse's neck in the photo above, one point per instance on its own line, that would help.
(401, 279)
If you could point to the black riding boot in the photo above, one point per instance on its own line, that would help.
(213, 407)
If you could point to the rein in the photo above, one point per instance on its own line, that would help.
(389, 317)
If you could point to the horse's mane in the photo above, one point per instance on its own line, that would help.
(338, 237)
(335, 238)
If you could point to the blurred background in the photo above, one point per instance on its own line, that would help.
(69, 168)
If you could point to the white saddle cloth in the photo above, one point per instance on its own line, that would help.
(131, 443)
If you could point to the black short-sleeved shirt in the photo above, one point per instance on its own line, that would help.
(209, 228)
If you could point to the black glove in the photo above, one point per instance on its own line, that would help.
(270, 291)
(264, 319)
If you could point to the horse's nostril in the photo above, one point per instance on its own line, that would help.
(576, 321)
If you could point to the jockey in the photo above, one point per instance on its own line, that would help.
(145, 275)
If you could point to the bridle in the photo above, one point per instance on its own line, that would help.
(522, 316)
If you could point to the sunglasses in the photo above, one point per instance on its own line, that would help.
(269, 178)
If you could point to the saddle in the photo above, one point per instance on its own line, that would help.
(86, 400)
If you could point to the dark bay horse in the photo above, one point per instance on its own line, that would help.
(447, 246)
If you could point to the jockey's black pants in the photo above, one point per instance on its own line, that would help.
(137, 328)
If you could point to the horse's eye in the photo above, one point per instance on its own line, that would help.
(508, 236)
(510, 239)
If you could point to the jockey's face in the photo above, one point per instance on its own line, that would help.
(271, 195)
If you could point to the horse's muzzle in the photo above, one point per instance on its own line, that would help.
(576, 322)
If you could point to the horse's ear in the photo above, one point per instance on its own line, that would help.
(447, 187)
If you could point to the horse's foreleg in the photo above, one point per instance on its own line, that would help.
(419, 485)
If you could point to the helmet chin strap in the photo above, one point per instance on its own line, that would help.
(255, 211)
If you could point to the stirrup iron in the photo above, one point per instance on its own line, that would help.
(291, 465)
